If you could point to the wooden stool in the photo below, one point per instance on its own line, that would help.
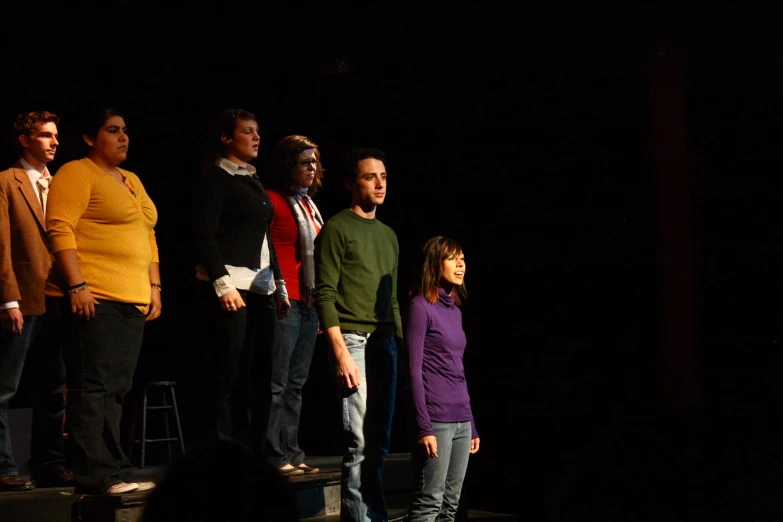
(163, 391)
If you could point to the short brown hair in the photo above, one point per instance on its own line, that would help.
(26, 123)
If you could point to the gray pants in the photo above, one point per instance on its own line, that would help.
(439, 481)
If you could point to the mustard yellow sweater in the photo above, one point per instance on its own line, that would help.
(111, 230)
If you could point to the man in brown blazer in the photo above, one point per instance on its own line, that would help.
(25, 326)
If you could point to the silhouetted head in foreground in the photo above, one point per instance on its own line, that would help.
(222, 481)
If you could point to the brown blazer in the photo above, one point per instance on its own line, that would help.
(25, 259)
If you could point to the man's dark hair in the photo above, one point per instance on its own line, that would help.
(354, 156)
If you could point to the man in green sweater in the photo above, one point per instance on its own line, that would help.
(356, 260)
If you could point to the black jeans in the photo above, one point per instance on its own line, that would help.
(241, 373)
(100, 359)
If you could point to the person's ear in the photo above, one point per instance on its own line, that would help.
(348, 182)
(87, 140)
(225, 139)
(24, 141)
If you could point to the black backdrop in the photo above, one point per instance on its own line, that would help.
(527, 135)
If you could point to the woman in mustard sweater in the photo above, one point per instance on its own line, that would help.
(100, 225)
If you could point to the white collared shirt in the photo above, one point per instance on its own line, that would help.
(34, 176)
(259, 280)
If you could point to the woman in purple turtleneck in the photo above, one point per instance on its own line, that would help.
(442, 420)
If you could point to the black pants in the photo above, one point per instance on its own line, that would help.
(100, 358)
(241, 344)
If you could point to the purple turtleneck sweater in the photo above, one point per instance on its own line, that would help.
(435, 341)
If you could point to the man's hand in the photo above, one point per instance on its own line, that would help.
(348, 376)
(430, 445)
(474, 445)
(12, 320)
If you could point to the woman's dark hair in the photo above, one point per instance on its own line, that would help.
(286, 160)
(224, 125)
(94, 119)
(90, 122)
(427, 271)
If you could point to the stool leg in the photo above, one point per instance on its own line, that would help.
(176, 418)
(132, 431)
(166, 428)
(144, 429)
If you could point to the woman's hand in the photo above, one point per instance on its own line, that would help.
(156, 305)
(283, 305)
(232, 301)
(81, 300)
(83, 304)
(430, 445)
(474, 445)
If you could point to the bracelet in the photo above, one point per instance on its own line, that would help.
(78, 289)
(157, 286)
(83, 283)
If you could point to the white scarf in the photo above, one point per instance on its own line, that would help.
(307, 233)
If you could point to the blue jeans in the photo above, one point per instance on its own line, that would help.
(367, 421)
(292, 353)
(100, 356)
(438, 482)
(49, 402)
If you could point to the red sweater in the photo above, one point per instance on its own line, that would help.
(285, 236)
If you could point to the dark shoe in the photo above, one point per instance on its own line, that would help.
(61, 478)
(307, 469)
(290, 471)
(15, 483)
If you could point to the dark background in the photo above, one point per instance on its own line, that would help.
(624, 270)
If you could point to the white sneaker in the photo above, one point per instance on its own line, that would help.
(122, 487)
(145, 486)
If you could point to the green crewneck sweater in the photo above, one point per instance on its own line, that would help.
(356, 275)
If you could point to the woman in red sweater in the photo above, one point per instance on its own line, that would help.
(297, 174)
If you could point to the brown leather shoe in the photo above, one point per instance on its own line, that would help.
(15, 483)
(60, 478)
